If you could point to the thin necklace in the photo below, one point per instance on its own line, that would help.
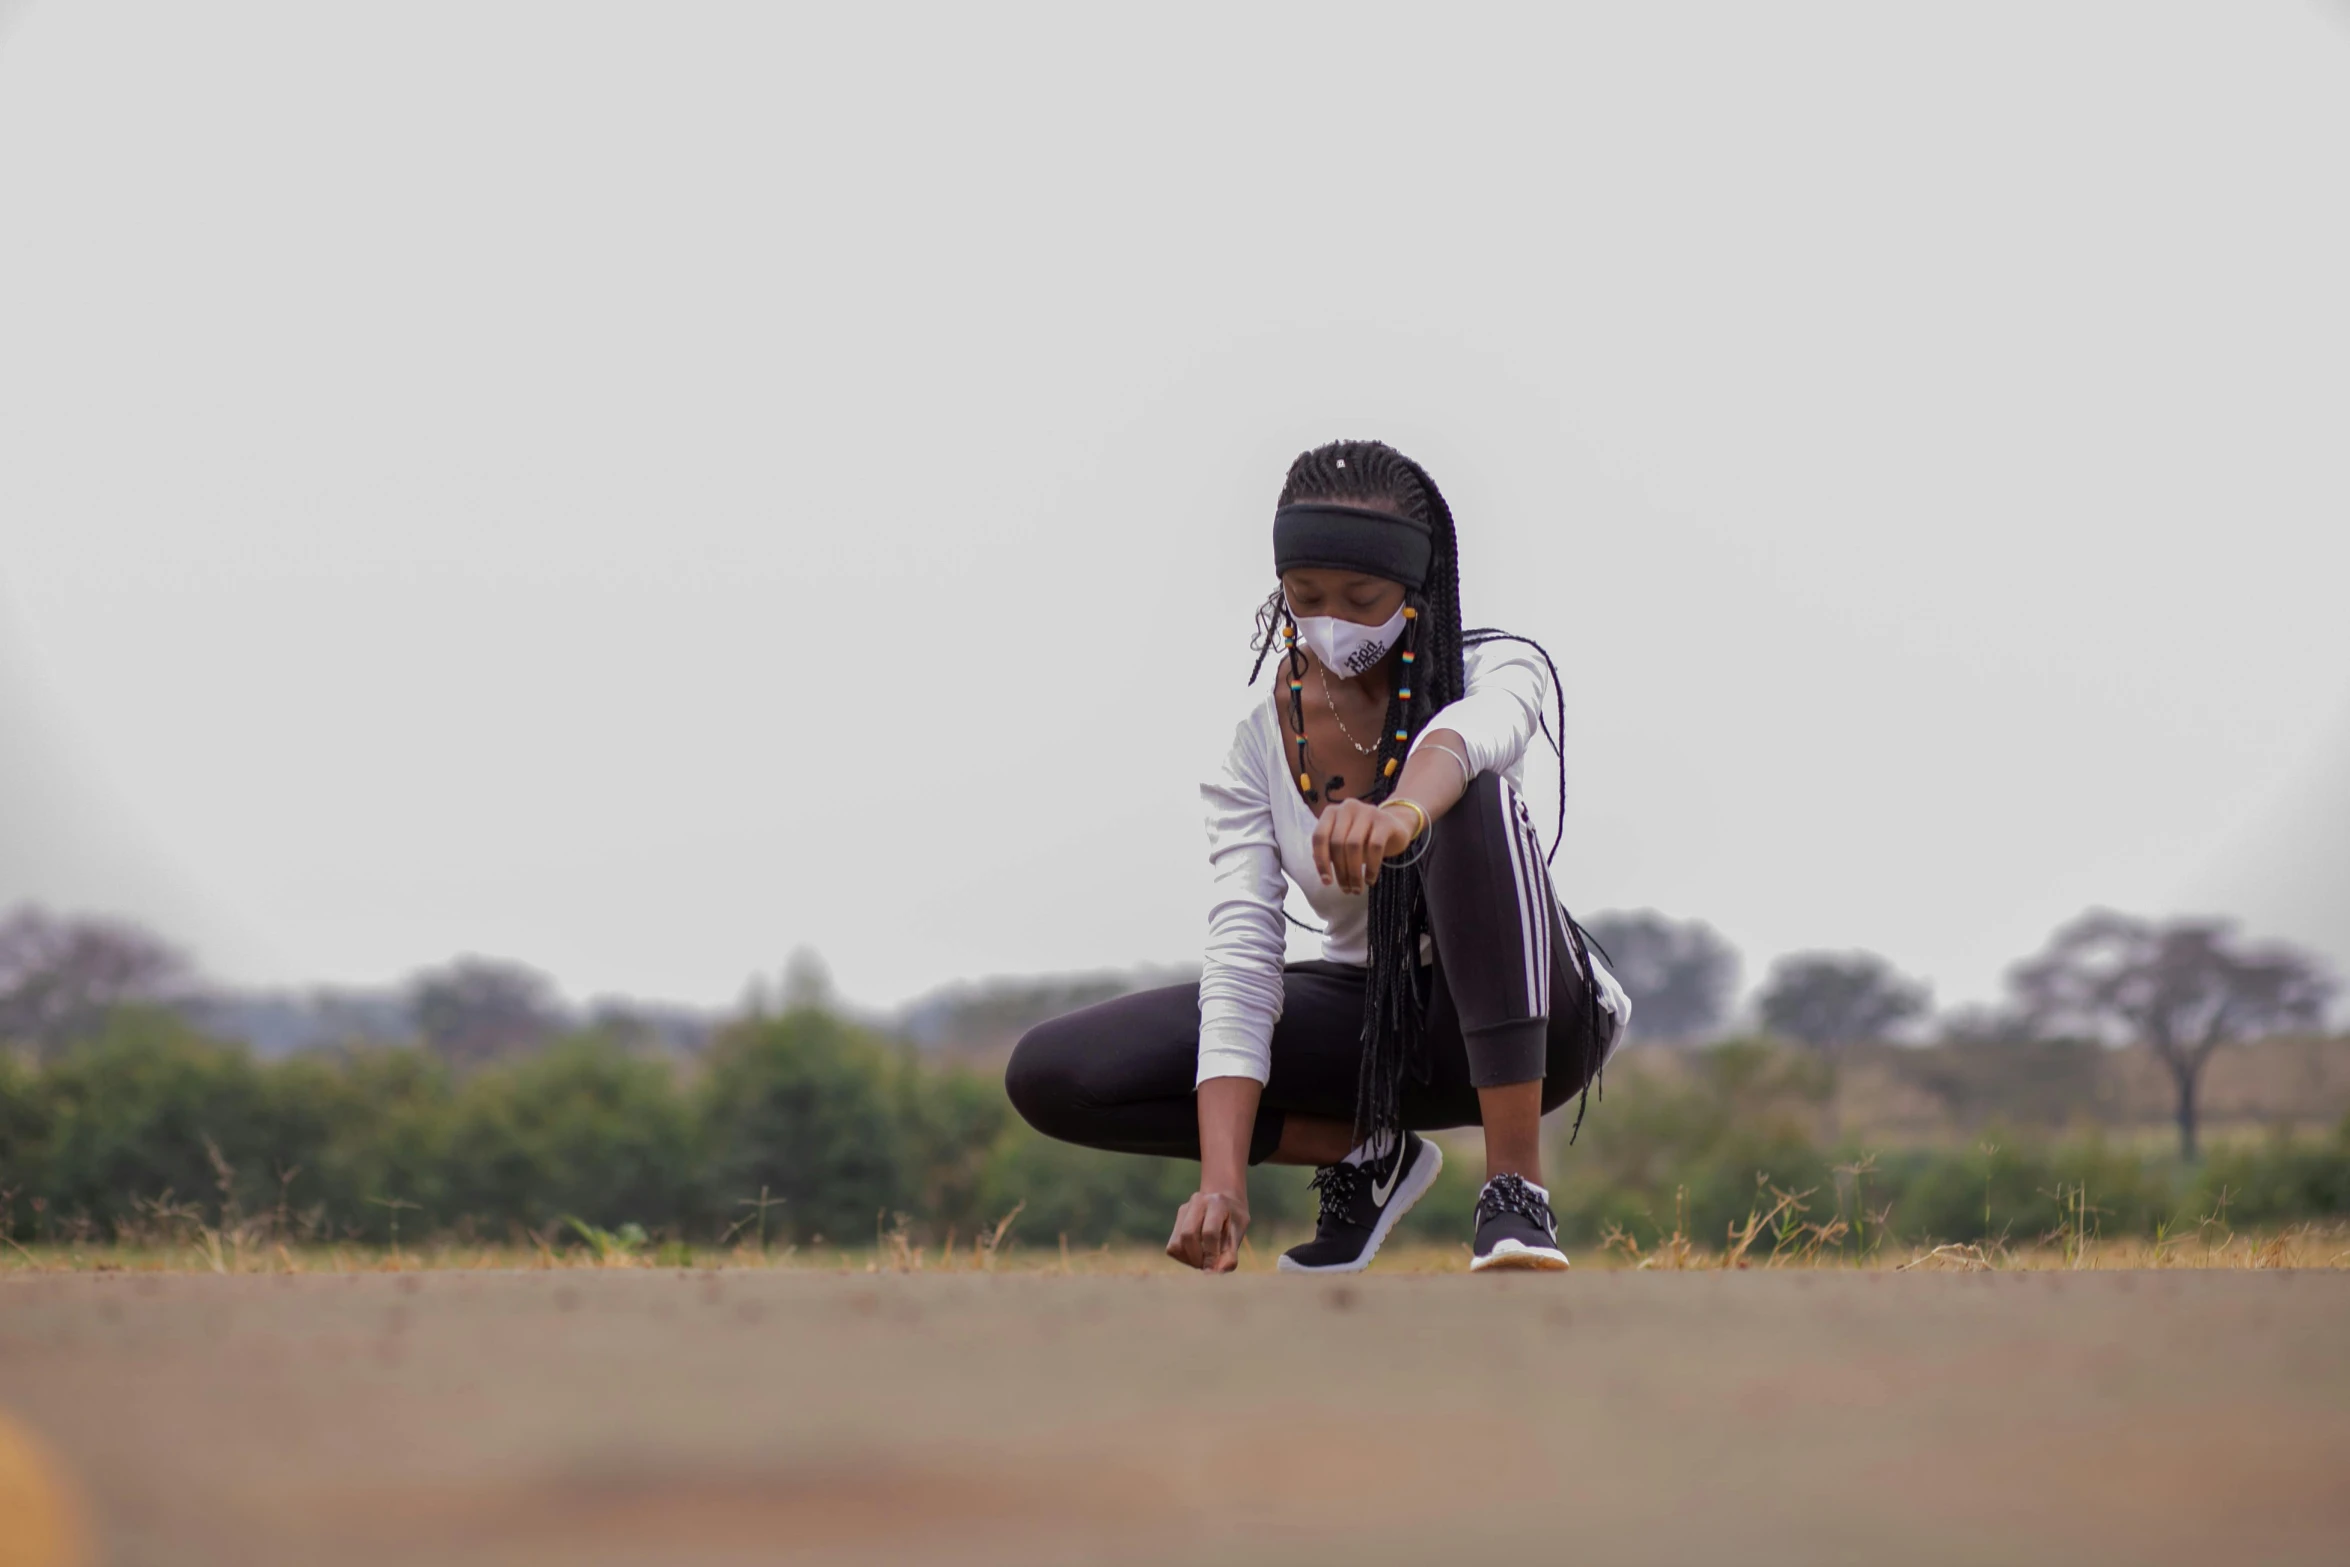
(1366, 750)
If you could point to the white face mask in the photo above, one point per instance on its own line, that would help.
(1348, 647)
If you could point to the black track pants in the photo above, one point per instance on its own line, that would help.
(1509, 1005)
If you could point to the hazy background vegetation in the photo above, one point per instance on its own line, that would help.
(474, 1102)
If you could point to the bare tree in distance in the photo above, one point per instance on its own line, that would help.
(60, 977)
(477, 1009)
(1680, 974)
(1832, 999)
(2183, 989)
(1985, 1025)
(651, 1025)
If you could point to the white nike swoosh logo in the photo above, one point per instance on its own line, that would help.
(1380, 1194)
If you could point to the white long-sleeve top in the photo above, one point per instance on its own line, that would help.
(1261, 837)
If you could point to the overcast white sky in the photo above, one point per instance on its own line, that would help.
(639, 489)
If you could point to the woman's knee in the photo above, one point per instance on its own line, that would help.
(1484, 787)
(1137, 1048)
(1477, 798)
(1048, 1078)
(1474, 828)
(1480, 842)
(1037, 1079)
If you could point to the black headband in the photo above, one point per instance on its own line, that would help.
(1352, 538)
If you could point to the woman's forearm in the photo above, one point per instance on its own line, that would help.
(1434, 777)
(1227, 1120)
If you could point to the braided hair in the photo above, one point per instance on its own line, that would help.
(1376, 476)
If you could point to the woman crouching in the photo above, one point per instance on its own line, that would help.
(1383, 778)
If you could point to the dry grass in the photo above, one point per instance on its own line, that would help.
(1780, 1231)
(1776, 1238)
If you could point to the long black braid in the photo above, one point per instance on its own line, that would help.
(1579, 940)
(1374, 474)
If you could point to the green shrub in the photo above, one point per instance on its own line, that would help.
(845, 1131)
(1084, 1194)
(138, 1113)
(1745, 1111)
(386, 1116)
(808, 1108)
(953, 1119)
(2276, 1181)
(580, 1130)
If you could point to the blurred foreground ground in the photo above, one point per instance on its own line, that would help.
(706, 1416)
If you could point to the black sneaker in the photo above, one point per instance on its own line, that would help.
(1360, 1204)
(1514, 1227)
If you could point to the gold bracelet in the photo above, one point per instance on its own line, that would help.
(1417, 810)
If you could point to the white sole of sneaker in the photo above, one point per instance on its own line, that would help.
(1415, 1186)
(1519, 1255)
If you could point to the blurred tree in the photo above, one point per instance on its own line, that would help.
(60, 977)
(1828, 999)
(1699, 1136)
(807, 1106)
(279, 1023)
(988, 1018)
(477, 1009)
(1087, 1196)
(581, 1129)
(26, 1110)
(385, 1122)
(147, 1109)
(757, 1002)
(2182, 989)
(952, 1119)
(807, 982)
(1679, 973)
(1985, 1025)
(650, 1026)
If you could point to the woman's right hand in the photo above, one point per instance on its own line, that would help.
(1208, 1229)
(1353, 838)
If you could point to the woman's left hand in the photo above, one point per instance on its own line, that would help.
(1354, 838)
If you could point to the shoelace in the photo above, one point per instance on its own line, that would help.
(1338, 1184)
(1511, 1194)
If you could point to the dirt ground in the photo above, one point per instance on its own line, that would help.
(703, 1416)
